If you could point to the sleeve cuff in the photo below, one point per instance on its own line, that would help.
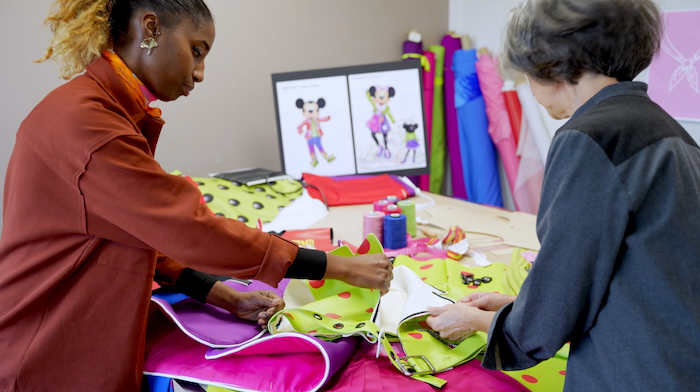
(502, 353)
(309, 264)
(195, 284)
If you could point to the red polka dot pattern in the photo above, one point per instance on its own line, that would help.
(288, 315)
(563, 372)
(530, 379)
(370, 310)
(424, 325)
(416, 335)
(333, 315)
(317, 284)
(345, 295)
(423, 278)
(425, 267)
(471, 286)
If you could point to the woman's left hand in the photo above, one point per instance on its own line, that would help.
(459, 321)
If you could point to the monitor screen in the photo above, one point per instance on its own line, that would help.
(366, 119)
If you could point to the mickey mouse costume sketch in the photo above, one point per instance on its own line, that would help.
(379, 97)
(312, 124)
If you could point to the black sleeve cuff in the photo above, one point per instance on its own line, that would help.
(309, 264)
(195, 284)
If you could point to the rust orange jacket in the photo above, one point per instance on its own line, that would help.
(86, 211)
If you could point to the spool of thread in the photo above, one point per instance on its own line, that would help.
(392, 199)
(408, 208)
(395, 231)
(373, 222)
(380, 204)
(391, 209)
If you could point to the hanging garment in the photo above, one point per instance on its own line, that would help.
(437, 144)
(478, 152)
(499, 123)
(534, 120)
(414, 51)
(528, 184)
(459, 190)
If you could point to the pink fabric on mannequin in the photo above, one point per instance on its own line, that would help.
(428, 85)
(499, 123)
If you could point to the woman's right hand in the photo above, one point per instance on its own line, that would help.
(487, 301)
(371, 271)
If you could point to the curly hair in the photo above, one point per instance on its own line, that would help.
(559, 40)
(83, 29)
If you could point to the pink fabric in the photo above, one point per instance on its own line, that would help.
(428, 86)
(365, 373)
(285, 362)
(528, 184)
(499, 122)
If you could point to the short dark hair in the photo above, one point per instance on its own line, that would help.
(170, 13)
(559, 40)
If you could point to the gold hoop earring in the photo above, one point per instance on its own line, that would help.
(149, 43)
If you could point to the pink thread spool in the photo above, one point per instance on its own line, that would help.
(373, 222)
(391, 209)
(380, 204)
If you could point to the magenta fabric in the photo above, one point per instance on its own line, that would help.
(366, 373)
(500, 129)
(459, 188)
(279, 363)
(211, 325)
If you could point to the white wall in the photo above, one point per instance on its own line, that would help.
(229, 121)
(484, 21)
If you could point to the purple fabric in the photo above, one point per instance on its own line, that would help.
(412, 47)
(459, 189)
(214, 326)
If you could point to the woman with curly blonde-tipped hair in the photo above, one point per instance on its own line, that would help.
(89, 215)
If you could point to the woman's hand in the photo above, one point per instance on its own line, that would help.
(458, 321)
(371, 271)
(487, 301)
(257, 305)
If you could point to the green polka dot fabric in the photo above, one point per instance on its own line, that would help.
(247, 203)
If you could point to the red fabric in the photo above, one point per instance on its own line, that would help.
(515, 112)
(355, 191)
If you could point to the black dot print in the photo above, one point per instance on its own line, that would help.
(220, 214)
(280, 208)
(270, 197)
(233, 202)
(243, 219)
(199, 183)
(234, 183)
(260, 189)
(272, 182)
(223, 187)
(207, 198)
(257, 206)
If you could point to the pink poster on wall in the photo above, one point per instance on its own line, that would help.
(673, 75)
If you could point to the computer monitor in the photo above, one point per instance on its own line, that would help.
(358, 120)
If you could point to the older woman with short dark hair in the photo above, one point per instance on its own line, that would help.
(619, 213)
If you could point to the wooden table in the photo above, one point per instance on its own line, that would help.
(492, 231)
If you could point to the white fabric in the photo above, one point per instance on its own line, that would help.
(534, 120)
(298, 215)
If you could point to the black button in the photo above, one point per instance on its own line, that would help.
(486, 279)
(318, 316)
(338, 326)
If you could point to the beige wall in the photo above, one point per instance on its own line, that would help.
(229, 121)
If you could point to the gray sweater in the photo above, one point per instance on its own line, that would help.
(619, 269)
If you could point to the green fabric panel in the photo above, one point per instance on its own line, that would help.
(247, 203)
(437, 141)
